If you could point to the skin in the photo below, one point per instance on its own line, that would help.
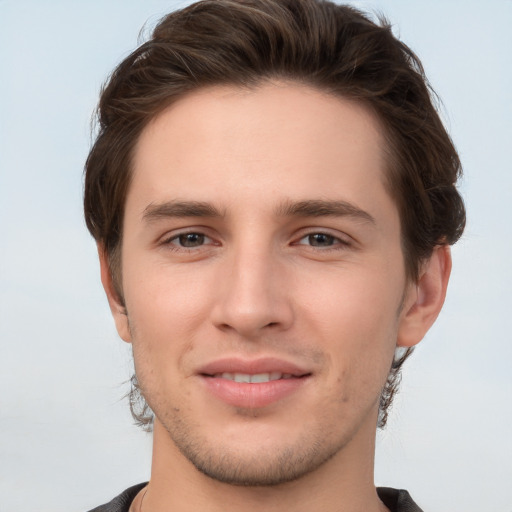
(262, 279)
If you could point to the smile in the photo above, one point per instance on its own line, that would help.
(255, 378)
(253, 384)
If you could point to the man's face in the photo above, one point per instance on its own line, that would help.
(259, 242)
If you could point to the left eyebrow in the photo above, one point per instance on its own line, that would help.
(323, 208)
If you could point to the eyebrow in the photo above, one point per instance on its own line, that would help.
(308, 208)
(154, 212)
(323, 208)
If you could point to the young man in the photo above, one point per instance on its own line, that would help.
(273, 197)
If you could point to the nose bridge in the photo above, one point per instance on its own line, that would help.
(253, 295)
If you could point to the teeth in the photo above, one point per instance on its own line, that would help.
(256, 378)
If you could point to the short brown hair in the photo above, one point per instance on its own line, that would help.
(334, 48)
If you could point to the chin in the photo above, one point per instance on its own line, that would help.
(262, 471)
(262, 464)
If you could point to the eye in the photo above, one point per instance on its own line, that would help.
(189, 240)
(321, 240)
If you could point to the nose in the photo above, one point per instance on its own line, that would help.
(253, 295)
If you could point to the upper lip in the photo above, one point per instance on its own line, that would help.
(252, 366)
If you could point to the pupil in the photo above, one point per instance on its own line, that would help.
(320, 239)
(191, 239)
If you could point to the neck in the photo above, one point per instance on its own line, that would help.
(343, 483)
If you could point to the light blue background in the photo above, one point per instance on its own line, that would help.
(66, 438)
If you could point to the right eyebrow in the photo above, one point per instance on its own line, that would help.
(170, 209)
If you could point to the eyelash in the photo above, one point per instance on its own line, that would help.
(175, 247)
(336, 243)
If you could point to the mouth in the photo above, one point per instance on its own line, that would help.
(257, 378)
(253, 384)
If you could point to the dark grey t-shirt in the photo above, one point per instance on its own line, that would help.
(397, 500)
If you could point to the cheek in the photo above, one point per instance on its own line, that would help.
(358, 306)
(166, 314)
(165, 300)
(355, 318)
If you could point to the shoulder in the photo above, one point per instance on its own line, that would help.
(122, 502)
(397, 500)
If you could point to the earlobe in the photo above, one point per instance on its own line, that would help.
(116, 305)
(425, 298)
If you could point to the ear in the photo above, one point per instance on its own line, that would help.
(116, 305)
(424, 299)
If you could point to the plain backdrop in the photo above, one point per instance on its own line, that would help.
(67, 442)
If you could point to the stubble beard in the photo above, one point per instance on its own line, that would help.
(284, 461)
(287, 460)
(265, 468)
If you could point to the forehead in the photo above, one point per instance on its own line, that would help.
(277, 141)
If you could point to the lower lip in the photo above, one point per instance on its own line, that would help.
(253, 396)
